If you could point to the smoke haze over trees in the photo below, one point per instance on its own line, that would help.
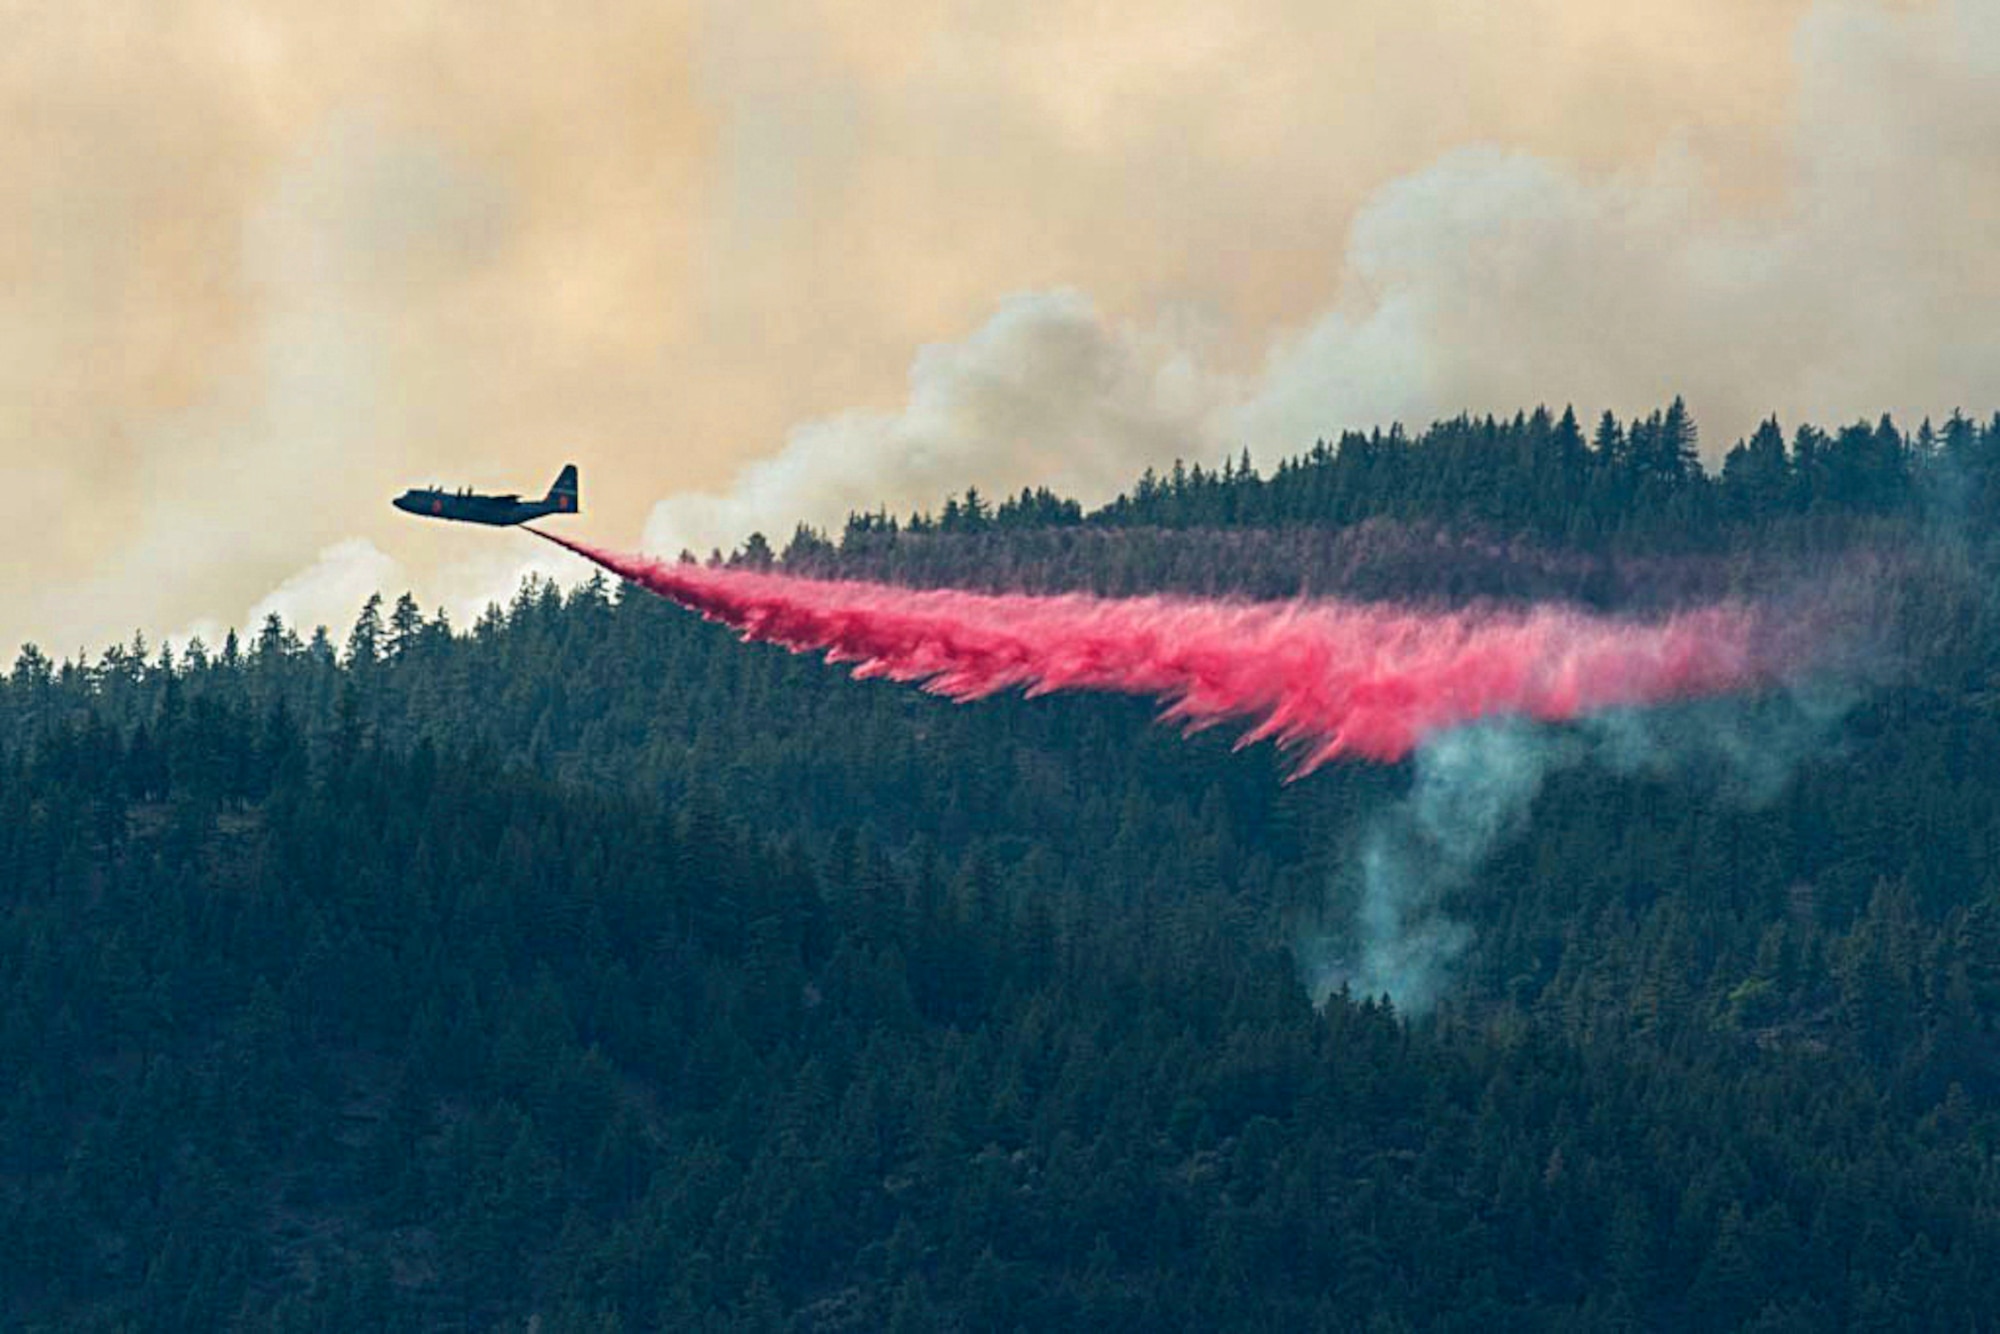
(584, 963)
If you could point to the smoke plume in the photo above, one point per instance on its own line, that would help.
(1324, 679)
(1474, 787)
(1857, 278)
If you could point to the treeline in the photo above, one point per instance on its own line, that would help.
(589, 967)
(1537, 474)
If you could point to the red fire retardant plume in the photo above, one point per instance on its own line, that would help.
(1326, 678)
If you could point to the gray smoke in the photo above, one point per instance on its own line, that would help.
(1497, 278)
(1474, 788)
(1047, 392)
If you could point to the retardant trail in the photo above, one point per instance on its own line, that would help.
(1325, 678)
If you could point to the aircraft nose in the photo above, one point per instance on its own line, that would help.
(402, 502)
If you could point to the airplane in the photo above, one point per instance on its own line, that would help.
(472, 507)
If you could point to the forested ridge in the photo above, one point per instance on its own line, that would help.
(587, 967)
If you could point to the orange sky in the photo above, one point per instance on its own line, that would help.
(266, 265)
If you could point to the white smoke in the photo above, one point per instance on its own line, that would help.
(1045, 393)
(1473, 788)
(332, 589)
(1497, 279)
(357, 223)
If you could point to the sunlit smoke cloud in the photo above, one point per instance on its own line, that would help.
(332, 589)
(297, 258)
(359, 223)
(1496, 279)
(1045, 393)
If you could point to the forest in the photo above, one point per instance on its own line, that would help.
(585, 969)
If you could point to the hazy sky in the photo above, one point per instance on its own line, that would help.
(265, 265)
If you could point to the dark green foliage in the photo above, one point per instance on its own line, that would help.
(594, 968)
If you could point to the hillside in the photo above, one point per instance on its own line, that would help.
(589, 966)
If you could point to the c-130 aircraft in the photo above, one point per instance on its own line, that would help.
(500, 510)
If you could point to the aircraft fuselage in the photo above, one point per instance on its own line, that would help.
(498, 510)
(471, 507)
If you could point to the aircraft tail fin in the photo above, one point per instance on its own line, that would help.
(563, 494)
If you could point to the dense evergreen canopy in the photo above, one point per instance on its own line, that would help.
(591, 966)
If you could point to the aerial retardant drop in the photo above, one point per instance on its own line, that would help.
(1322, 678)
